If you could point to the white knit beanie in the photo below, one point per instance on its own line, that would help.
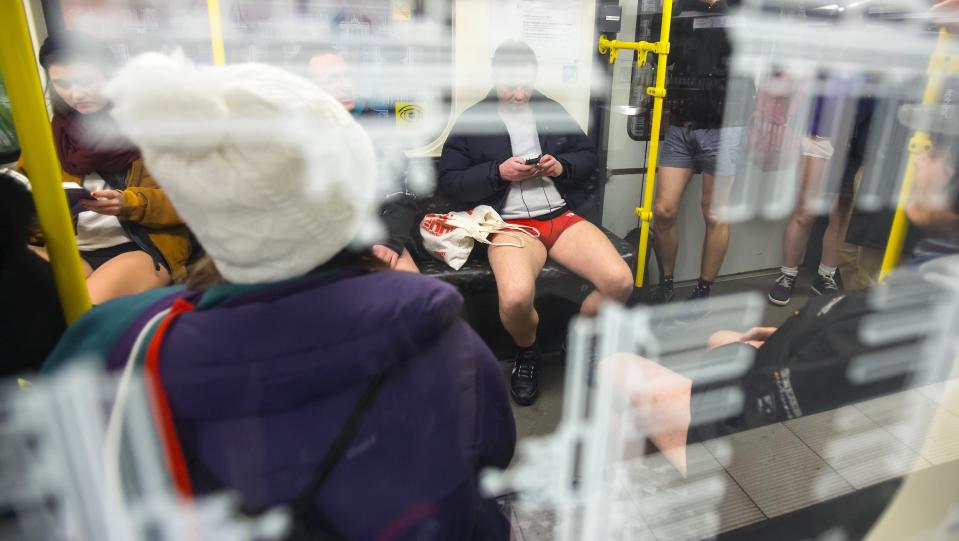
(271, 174)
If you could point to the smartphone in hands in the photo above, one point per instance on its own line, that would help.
(533, 161)
(77, 193)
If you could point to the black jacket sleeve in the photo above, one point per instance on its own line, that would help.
(579, 163)
(575, 151)
(464, 179)
(399, 214)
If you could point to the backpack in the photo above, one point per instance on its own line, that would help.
(771, 142)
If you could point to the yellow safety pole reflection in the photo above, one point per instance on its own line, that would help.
(216, 32)
(940, 65)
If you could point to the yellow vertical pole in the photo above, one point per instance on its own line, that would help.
(19, 69)
(645, 212)
(920, 142)
(216, 32)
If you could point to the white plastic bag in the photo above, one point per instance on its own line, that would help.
(450, 237)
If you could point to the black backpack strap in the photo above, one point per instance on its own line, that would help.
(305, 515)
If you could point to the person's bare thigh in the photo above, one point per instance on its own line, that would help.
(126, 274)
(513, 267)
(670, 185)
(585, 250)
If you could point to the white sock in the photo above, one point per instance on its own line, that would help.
(826, 271)
(792, 272)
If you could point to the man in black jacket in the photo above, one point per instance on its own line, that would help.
(522, 154)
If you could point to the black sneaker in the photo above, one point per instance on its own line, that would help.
(782, 291)
(523, 381)
(700, 292)
(663, 293)
(824, 285)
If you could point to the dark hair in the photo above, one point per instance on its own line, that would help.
(17, 214)
(512, 54)
(69, 47)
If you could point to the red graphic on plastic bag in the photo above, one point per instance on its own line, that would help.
(436, 224)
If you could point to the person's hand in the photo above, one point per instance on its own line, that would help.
(386, 255)
(757, 334)
(108, 202)
(550, 166)
(516, 170)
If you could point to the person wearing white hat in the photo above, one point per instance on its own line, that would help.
(312, 378)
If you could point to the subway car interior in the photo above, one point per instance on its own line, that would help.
(479, 270)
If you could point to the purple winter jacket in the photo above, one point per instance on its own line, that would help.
(261, 384)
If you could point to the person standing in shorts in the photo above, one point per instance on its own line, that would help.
(817, 150)
(704, 136)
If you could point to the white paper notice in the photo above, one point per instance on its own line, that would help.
(551, 28)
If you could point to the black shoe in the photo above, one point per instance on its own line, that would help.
(523, 381)
(701, 291)
(782, 291)
(663, 293)
(824, 285)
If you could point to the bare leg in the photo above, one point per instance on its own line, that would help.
(586, 251)
(716, 239)
(671, 184)
(830, 239)
(515, 270)
(405, 263)
(800, 223)
(126, 274)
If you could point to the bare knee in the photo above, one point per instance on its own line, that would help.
(710, 216)
(516, 301)
(664, 216)
(803, 219)
(619, 284)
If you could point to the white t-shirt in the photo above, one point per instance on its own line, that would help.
(94, 230)
(536, 196)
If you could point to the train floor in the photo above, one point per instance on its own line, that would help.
(543, 416)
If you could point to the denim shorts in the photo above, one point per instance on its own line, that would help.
(714, 151)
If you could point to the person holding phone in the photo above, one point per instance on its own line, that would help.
(522, 154)
(129, 235)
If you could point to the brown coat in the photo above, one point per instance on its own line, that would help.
(146, 204)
